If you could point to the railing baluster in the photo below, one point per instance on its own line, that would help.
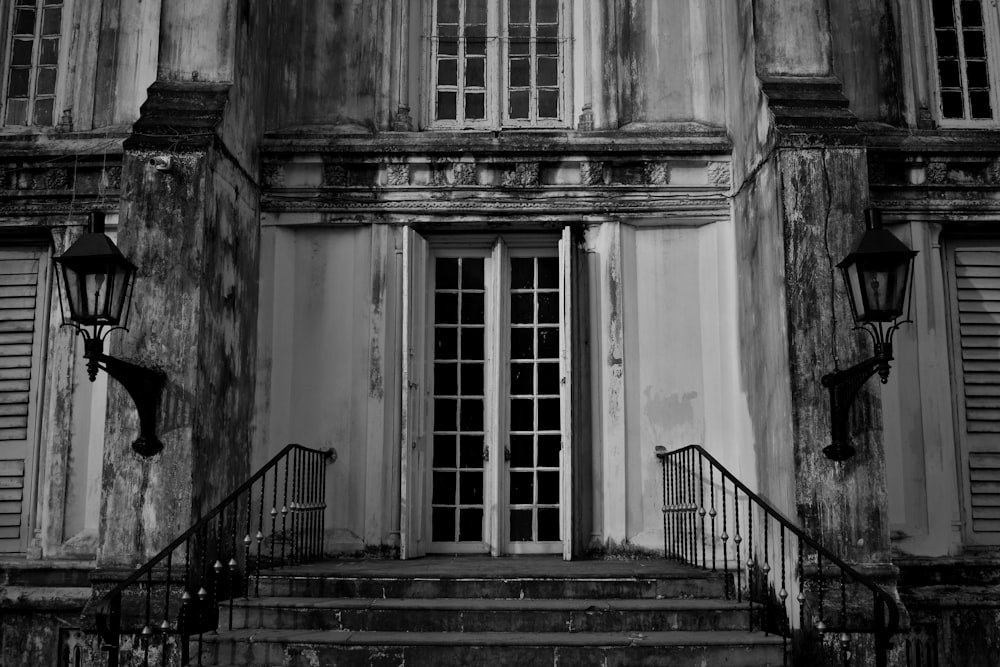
(800, 597)
(765, 595)
(725, 534)
(737, 538)
(663, 509)
(711, 510)
(692, 526)
(313, 507)
(284, 510)
(147, 627)
(202, 591)
(259, 538)
(844, 638)
(751, 561)
(783, 596)
(820, 624)
(293, 508)
(701, 506)
(322, 497)
(165, 624)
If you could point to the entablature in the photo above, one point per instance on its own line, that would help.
(497, 173)
(944, 173)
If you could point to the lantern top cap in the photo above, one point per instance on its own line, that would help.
(877, 243)
(94, 247)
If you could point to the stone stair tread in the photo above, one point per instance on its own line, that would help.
(608, 639)
(442, 568)
(490, 604)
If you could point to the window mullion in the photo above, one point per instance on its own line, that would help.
(962, 62)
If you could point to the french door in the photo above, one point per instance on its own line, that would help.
(486, 430)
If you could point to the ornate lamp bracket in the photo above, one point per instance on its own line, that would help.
(144, 385)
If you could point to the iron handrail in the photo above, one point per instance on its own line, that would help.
(886, 627)
(108, 608)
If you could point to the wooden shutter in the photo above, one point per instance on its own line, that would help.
(976, 313)
(22, 317)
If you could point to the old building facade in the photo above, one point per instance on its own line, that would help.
(494, 252)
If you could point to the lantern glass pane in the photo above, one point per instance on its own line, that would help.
(123, 279)
(883, 287)
(96, 293)
(853, 282)
(71, 280)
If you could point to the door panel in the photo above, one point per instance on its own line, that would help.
(459, 394)
(413, 449)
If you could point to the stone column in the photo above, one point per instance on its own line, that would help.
(193, 231)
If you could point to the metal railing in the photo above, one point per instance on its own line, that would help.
(273, 519)
(712, 520)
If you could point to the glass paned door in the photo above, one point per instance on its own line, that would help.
(534, 429)
(459, 446)
(497, 399)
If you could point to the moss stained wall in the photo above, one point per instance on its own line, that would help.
(866, 58)
(325, 64)
(824, 192)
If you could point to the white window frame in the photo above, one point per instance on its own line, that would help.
(497, 74)
(9, 8)
(991, 28)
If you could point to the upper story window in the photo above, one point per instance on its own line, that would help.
(35, 31)
(498, 63)
(967, 44)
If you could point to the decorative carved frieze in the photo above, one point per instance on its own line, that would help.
(602, 203)
(397, 174)
(521, 175)
(658, 173)
(51, 179)
(112, 178)
(591, 173)
(463, 173)
(335, 175)
(720, 174)
(936, 173)
(274, 175)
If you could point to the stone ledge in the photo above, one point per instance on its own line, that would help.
(44, 598)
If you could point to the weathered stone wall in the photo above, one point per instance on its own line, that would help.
(331, 76)
(866, 57)
(824, 191)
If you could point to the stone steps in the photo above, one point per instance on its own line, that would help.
(485, 615)
(525, 612)
(278, 648)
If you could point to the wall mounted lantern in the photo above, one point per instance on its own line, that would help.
(97, 279)
(877, 273)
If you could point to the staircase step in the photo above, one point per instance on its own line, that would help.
(482, 615)
(267, 648)
(548, 578)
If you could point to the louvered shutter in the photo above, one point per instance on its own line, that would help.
(976, 309)
(22, 311)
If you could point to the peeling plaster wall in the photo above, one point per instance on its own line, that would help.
(681, 360)
(193, 233)
(866, 58)
(670, 61)
(763, 335)
(162, 232)
(321, 371)
(331, 77)
(792, 38)
(823, 194)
